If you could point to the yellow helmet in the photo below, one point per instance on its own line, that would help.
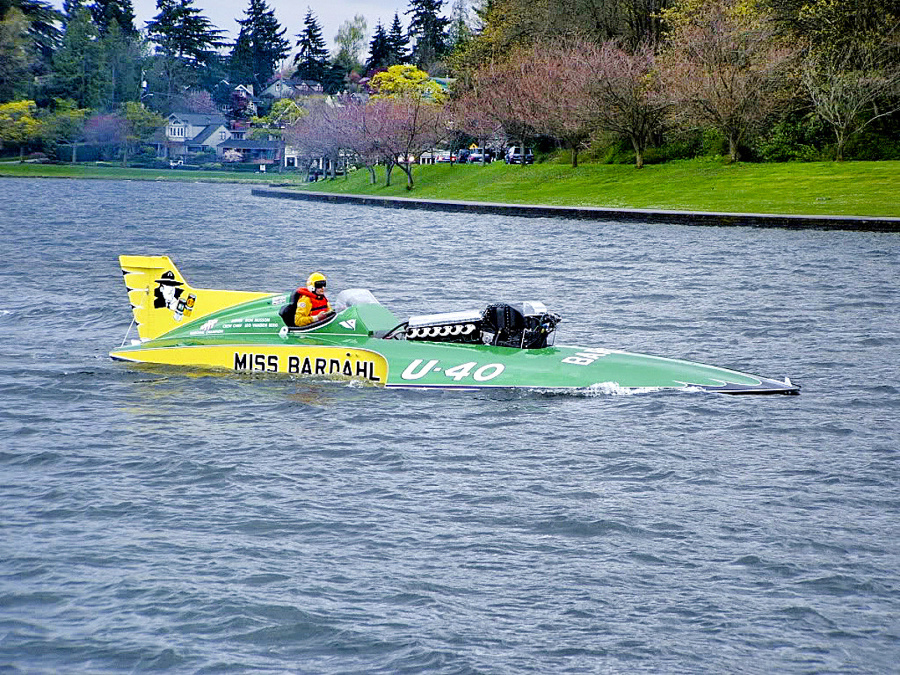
(316, 279)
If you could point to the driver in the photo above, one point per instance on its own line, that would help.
(312, 305)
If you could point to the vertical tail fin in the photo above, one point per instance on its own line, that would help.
(162, 300)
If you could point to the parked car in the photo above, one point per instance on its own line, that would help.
(445, 156)
(462, 156)
(514, 155)
(175, 162)
(479, 155)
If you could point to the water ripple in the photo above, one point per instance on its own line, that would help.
(155, 519)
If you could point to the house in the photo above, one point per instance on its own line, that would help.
(191, 132)
(290, 88)
(254, 152)
(243, 103)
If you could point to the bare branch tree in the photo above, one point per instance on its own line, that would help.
(851, 88)
(726, 69)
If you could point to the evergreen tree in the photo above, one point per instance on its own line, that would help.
(240, 62)
(312, 58)
(397, 43)
(186, 41)
(123, 56)
(183, 33)
(429, 30)
(335, 78)
(41, 19)
(265, 38)
(15, 62)
(79, 69)
(120, 11)
(70, 9)
(379, 50)
(460, 32)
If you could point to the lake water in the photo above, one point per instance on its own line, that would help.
(157, 520)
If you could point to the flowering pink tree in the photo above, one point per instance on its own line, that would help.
(200, 102)
(467, 118)
(404, 127)
(108, 130)
(317, 135)
(626, 97)
(556, 81)
(498, 98)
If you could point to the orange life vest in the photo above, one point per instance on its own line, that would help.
(319, 302)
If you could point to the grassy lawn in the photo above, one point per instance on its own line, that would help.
(819, 188)
(823, 188)
(110, 171)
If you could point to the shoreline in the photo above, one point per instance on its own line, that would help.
(702, 218)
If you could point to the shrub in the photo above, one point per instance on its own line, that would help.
(793, 138)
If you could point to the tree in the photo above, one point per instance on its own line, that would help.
(15, 56)
(837, 25)
(469, 121)
(852, 89)
(406, 81)
(335, 78)
(496, 93)
(264, 39)
(350, 39)
(556, 81)
(183, 33)
(140, 124)
(19, 124)
(71, 8)
(627, 97)
(109, 130)
(408, 110)
(361, 135)
(79, 67)
(724, 66)
(65, 124)
(120, 12)
(379, 50)
(240, 61)
(459, 32)
(409, 125)
(43, 33)
(318, 134)
(312, 57)
(284, 112)
(124, 57)
(398, 42)
(199, 101)
(186, 42)
(429, 30)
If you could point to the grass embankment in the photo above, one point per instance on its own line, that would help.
(111, 172)
(821, 188)
(817, 188)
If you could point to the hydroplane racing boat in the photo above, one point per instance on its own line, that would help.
(502, 346)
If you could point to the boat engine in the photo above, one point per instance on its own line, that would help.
(464, 327)
(524, 325)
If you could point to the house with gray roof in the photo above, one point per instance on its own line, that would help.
(290, 88)
(253, 151)
(191, 132)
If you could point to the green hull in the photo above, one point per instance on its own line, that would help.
(251, 336)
